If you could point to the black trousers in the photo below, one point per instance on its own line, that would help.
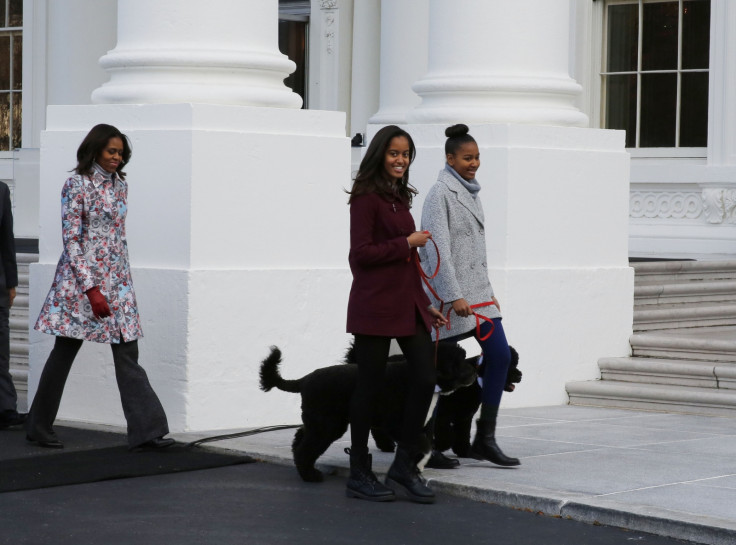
(371, 353)
(142, 409)
(8, 395)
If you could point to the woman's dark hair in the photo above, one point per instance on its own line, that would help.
(457, 136)
(372, 176)
(93, 144)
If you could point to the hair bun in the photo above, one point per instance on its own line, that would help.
(456, 130)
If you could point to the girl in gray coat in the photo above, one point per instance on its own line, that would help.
(454, 215)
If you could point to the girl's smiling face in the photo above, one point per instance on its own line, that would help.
(466, 160)
(397, 158)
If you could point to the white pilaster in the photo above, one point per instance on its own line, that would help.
(404, 43)
(366, 63)
(721, 107)
(179, 51)
(499, 62)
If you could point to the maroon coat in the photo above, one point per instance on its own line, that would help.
(387, 290)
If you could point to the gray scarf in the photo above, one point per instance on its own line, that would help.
(471, 185)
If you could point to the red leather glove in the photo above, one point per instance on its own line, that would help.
(100, 308)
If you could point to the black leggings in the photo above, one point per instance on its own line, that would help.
(371, 353)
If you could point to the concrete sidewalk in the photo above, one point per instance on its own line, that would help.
(668, 474)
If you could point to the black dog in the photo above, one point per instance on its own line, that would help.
(454, 418)
(326, 394)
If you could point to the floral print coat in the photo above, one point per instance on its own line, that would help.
(93, 210)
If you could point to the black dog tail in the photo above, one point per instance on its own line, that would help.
(271, 377)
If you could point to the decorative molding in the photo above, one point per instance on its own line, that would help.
(719, 205)
(329, 33)
(665, 205)
(328, 4)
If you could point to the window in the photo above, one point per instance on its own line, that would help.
(11, 55)
(655, 72)
(293, 40)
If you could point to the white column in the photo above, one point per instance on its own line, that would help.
(555, 195)
(178, 51)
(404, 35)
(499, 62)
(237, 219)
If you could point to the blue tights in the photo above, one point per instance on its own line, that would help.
(496, 359)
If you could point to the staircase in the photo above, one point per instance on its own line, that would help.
(19, 331)
(683, 347)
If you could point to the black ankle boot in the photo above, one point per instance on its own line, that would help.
(362, 482)
(484, 445)
(437, 460)
(405, 474)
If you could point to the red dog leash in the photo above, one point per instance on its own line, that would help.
(478, 317)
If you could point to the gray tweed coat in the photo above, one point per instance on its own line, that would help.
(456, 222)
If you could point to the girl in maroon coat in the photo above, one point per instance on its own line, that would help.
(387, 301)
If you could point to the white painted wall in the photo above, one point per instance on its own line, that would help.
(238, 236)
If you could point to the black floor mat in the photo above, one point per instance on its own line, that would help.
(101, 464)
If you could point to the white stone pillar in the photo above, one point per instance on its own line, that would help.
(498, 62)
(404, 35)
(237, 220)
(555, 195)
(178, 51)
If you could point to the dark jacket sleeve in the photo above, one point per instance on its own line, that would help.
(7, 240)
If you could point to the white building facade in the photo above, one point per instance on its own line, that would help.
(607, 131)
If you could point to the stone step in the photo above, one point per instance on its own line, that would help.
(21, 301)
(653, 397)
(700, 374)
(684, 316)
(715, 344)
(668, 272)
(684, 293)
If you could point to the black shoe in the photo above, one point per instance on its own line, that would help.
(437, 460)
(362, 482)
(405, 474)
(10, 419)
(46, 443)
(155, 444)
(484, 445)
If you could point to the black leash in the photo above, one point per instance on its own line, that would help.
(241, 434)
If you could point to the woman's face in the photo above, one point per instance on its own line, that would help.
(397, 158)
(111, 155)
(466, 160)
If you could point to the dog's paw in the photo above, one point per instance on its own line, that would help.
(463, 451)
(311, 474)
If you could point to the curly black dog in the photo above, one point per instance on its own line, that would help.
(454, 418)
(326, 394)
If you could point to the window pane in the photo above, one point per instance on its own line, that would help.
(17, 62)
(695, 33)
(621, 106)
(4, 121)
(17, 119)
(15, 13)
(2, 13)
(658, 108)
(623, 32)
(694, 110)
(659, 40)
(4, 63)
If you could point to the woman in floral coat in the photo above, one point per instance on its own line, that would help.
(92, 297)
